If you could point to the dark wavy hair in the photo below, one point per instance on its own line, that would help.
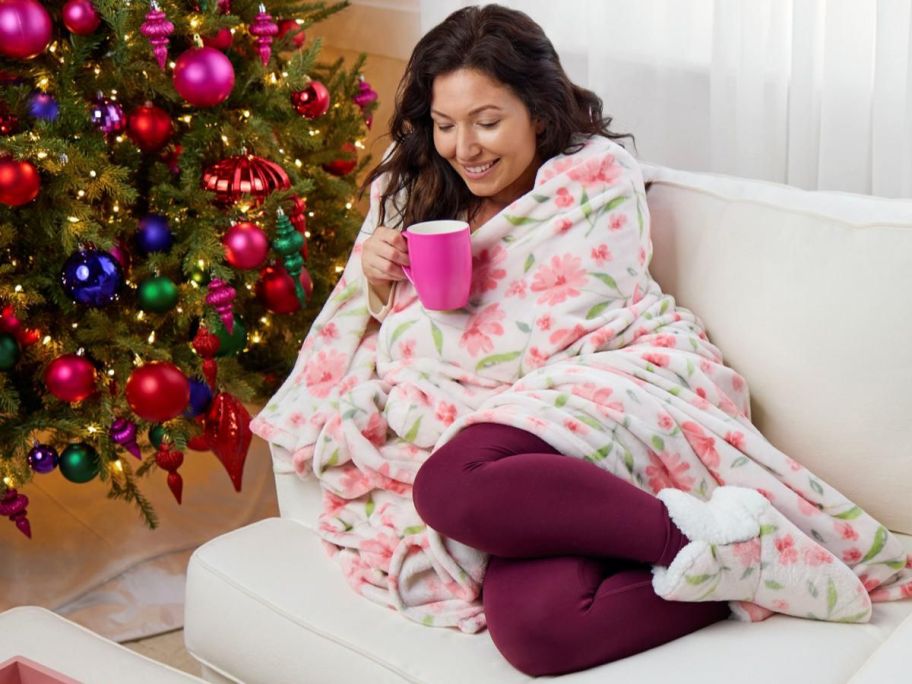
(509, 47)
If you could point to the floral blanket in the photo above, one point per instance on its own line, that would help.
(566, 335)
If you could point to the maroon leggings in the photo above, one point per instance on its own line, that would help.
(569, 584)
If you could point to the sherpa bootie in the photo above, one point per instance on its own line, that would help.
(743, 549)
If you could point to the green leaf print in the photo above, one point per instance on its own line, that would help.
(880, 539)
(602, 453)
(590, 421)
(521, 220)
(494, 359)
(812, 589)
(617, 201)
(596, 310)
(438, 337)
(767, 529)
(347, 293)
(397, 333)
(369, 507)
(773, 584)
(333, 459)
(690, 368)
(895, 565)
(738, 462)
(658, 443)
(561, 401)
(832, 596)
(639, 216)
(697, 579)
(664, 307)
(428, 621)
(540, 198)
(584, 205)
(850, 514)
(413, 529)
(523, 326)
(853, 618)
(815, 486)
(413, 432)
(607, 279)
(530, 262)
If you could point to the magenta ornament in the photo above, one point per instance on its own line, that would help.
(203, 76)
(265, 29)
(25, 29)
(220, 297)
(80, 17)
(13, 505)
(108, 116)
(365, 94)
(246, 245)
(157, 28)
(123, 432)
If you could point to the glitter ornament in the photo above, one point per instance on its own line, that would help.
(92, 277)
(42, 458)
(123, 432)
(288, 243)
(107, 115)
(235, 177)
(220, 297)
(170, 460)
(311, 102)
(13, 505)
(157, 28)
(265, 29)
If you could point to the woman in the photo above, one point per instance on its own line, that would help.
(556, 405)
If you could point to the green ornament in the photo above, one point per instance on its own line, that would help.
(199, 276)
(230, 343)
(156, 435)
(288, 242)
(9, 351)
(158, 294)
(79, 462)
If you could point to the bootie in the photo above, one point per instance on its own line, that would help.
(743, 549)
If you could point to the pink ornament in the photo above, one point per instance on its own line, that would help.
(365, 94)
(123, 432)
(25, 29)
(157, 28)
(246, 245)
(70, 377)
(203, 76)
(13, 506)
(220, 297)
(264, 28)
(80, 17)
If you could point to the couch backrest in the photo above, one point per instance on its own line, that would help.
(809, 296)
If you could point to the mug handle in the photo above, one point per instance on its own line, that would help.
(407, 269)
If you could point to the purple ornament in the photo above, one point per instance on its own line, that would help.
(123, 432)
(108, 116)
(203, 76)
(92, 277)
(42, 458)
(154, 234)
(43, 106)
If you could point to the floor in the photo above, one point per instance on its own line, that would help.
(166, 648)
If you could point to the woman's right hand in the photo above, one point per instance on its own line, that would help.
(383, 255)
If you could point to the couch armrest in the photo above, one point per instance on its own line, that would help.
(299, 497)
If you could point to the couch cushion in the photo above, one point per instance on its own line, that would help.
(265, 604)
(807, 296)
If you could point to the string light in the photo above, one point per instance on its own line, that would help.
(72, 219)
(118, 466)
(298, 163)
(141, 315)
(46, 341)
(18, 288)
(75, 325)
(151, 337)
(111, 373)
(93, 174)
(92, 429)
(9, 482)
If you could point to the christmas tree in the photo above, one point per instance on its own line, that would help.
(177, 181)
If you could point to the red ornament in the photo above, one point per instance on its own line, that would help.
(311, 102)
(70, 378)
(298, 217)
(244, 174)
(80, 17)
(25, 29)
(170, 460)
(19, 181)
(228, 433)
(246, 245)
(344, 165)
(276, 289)
(149, 127)
(203, 76)
(13, 506)
(207, 344)
(297, 33)
(265, 29)
(9, 124)
(220, 40)
(171, 157)
(157, 391)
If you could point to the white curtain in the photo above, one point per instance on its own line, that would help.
(813, 93)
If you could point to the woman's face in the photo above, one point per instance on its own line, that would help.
(486, 133)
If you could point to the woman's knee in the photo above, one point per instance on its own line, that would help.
(439, 486)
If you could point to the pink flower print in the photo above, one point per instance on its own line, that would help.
(677, 469)
(379, 550)
(353, 483)
(486, 271)
(332, 503)
(416, 395)
(535, 358)
(446, 413)
(576, 427)
(851, 556)
(482, 325)
(535, 422)
(589, 390)
(780, 605)
(700, 392)
(747, 552)
(322, 372)
(656, 474)
(347, 384)
(544, 322)
(737, 383)
(407, 349)
(517, 289)
(769, 495)
(601, 254)
(562, 226)
(601, 337)
(664, 340)
(563, 198)
(641, 257)
(817, 555)
(560, 280)
(906, 590)
(736, 439)
(566, 336)
(793, 464)
(637, 296)
(702, 444)
(296, 419)
(806, 507)
(785, 545)
(329, 332)
(665, 422)
(657, 359)
(640, 332)
(706, 366)
(602, 169)
(617, 221)
(375, 432)
(846, 531)
(869, 582)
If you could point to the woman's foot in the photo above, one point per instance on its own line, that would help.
(743, 549)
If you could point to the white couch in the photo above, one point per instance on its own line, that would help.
(809, 295)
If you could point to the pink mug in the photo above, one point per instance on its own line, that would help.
(440, 254)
